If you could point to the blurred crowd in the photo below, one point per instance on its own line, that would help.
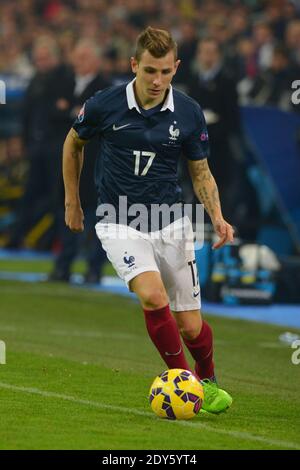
(260, 39)
(57, 53)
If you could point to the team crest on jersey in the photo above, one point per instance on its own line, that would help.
(80, 116)
(174, 133)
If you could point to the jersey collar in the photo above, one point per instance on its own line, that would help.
(131, 101)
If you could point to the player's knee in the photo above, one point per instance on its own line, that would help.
(190, 331)
(154, 299)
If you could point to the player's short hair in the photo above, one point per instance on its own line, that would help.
(157, 41)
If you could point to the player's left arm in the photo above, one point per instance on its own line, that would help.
(207, 192)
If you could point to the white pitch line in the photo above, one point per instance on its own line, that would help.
(76, 333)
(90, 334)
(236, 434)
(93, 334)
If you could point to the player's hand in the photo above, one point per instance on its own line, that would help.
(74, 217)
(224, 231)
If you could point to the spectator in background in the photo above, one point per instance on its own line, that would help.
(239, 31)
(246, 59)
(186, 50)
(86, 58)
(247, 33)
(16, 62)
(275, 18)
(46, 119)
(16, 71)
(273, 87)
(292, 40)
(215, 90)
(291, 9)
(246, 69)
(264, 41)
(217, 28)
(122, 73)
(13, 167)
(239, 24)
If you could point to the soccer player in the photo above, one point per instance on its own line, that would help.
(143, 127)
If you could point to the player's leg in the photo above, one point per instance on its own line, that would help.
(198, 338)
(180, 278)
(160, 323)
(132, 256)
(150, 290)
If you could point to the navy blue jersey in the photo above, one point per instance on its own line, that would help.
(139, 151)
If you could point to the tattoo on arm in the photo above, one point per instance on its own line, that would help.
(205, 186)
(200, 171)
(215, 195)
(208, 200)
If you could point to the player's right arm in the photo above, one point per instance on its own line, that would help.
(87, 125)
(72, 166)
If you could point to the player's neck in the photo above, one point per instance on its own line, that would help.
(146, 102)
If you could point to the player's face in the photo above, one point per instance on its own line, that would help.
(153, 76)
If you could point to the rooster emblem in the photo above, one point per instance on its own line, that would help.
(130, 260)
(174, 132)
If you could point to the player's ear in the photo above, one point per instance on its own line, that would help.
(177, 63)
(134, 64)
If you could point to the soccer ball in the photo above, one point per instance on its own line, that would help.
(176, 394)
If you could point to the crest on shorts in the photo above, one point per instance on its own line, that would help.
(130, 260)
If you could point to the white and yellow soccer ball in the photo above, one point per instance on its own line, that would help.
(176, 394)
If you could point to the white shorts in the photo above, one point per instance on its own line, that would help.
(132, 252)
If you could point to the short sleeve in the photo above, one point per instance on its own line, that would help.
(196, 145)
(88, 121)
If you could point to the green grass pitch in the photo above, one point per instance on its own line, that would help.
(80, 364)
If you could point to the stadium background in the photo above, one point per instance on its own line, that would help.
(258, 172)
